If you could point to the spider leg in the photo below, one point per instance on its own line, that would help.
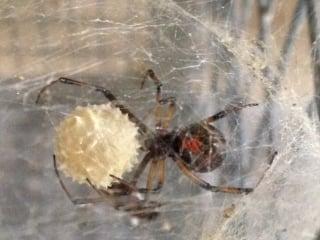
(152, 174)
(129, 186)
(157, 169)
(158, 112)
(163, 118)
(142, 127)
(150, 74)
(228, 110)
(85, 201)
(161, 172)
(142, 209)
(137, 207)
(76, 201)
(197, 180)
(169, 115)
(272, 157)
(142, 166)
(70, 81)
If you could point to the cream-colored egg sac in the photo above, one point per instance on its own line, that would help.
(94, 142)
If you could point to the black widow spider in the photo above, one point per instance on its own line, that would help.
(198, 147)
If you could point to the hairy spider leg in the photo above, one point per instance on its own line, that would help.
(197, 180)
(141, 167)
(129, 186)
(162, 173)
(142, 208)
(163, 120)
(170, 114)
(157, 169)
(150, 74)
(164, 117)
(142, 127)
(228, 110)
(103, 193)
(152, 173)
(76, 201)
(272, 157)
(136, 207)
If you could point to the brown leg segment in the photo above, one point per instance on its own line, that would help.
(152, 174)
(161, 173)
(142, 127)
(228, 110)
(162, 118)
(142, 166)
(156, 172)
(169, 115)
(77, 201)
(197, 180)
(157, 169)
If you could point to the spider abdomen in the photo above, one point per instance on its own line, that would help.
(201, 147)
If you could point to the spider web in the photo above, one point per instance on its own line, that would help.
(205, 63)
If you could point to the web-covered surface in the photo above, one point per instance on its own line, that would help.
(201, 64)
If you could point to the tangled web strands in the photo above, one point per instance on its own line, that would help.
(204, 66)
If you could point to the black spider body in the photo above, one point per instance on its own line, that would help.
(200, 146)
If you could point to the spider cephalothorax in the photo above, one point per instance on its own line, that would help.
(198, 147)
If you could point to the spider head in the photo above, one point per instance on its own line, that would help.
(201, 147)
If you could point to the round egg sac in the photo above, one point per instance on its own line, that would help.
(95, 141)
